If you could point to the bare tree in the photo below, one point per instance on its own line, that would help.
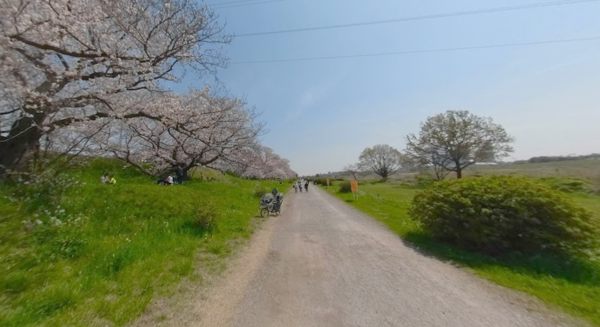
(381, 159)
(63, 62)
(353, 170)
(455, 140)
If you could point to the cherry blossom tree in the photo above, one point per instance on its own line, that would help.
(64, 62)
(258, 161)
(200, 129)
(270, 165)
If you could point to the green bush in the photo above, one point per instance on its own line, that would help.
(499, 214)
(424, 180)
(321, 181)
(345, 187)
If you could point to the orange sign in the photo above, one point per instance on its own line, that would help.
(354, 186)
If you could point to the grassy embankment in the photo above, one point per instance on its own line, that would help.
(110, 249)
(588, 170)
(573, 284)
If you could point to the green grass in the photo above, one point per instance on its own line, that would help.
(571, 284)
(586, 169)
(118, 247)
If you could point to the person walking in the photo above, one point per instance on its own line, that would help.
(295, 188)
(306, 185)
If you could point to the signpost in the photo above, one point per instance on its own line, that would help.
(354, 188)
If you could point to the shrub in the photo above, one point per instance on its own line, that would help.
(345, 187)
(321, 181)
(500, 213)
(206, 217)
(424, 180)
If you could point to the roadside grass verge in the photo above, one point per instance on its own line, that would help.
(103, 252)
(571, 283)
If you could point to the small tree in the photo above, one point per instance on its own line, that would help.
(381, 159)
(454, 140)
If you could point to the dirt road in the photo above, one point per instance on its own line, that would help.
(322, 263)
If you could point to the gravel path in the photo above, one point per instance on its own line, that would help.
(322, 263)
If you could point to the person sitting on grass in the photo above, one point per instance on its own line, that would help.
(112, 180)
(105, 178)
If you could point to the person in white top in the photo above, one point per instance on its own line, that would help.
(104, 179)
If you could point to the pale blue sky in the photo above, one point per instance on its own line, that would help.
(321, 114)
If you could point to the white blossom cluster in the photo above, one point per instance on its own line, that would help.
(258, 161)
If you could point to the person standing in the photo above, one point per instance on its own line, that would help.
(306, 185)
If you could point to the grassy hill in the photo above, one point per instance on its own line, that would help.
(98, 254)
(585, 169)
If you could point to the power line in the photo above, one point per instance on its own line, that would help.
(422, 17)
(230, 2)
(421, 51)
(235, 4)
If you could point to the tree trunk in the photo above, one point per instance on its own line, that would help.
(20, 146)
(458, 173)
(185, 173)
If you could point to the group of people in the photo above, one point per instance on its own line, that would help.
(274, 197)
(107, 178)
(301, 185)
(179, 177)
(167, 180)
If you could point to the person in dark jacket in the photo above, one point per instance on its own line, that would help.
(180, 174)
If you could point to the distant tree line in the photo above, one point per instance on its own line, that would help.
(559, 158)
